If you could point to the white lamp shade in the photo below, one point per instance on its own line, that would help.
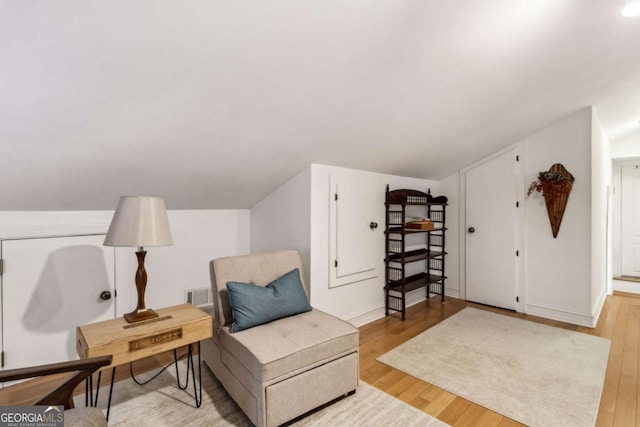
(139, 221)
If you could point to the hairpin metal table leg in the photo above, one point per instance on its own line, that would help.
(175, 360)
(88, 390)
(95, 402)
(197, 396)
(113, 376)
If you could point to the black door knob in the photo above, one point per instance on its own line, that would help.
(373, 225)
(105, 295)
(471, 230)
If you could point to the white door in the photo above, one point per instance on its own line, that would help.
(355, 227)
(630, 220)
(50, 286)
(491, 232)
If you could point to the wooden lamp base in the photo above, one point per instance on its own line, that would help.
(139, 316)
(141, 312)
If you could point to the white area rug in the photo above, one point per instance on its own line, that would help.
(536, 374)
(161, 403)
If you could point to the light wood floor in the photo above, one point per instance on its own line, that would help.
(28, 392)
(619, 406)
(619, 321)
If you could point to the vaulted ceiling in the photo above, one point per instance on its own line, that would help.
(214, 104)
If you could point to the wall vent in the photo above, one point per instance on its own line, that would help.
(200, 297)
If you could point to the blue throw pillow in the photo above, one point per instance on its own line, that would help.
(254, 305)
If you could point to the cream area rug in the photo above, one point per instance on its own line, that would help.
(161, 403)
(535, 374)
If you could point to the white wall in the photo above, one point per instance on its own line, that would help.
(564, 278)
(363, 301)
(282, 220)
(628, 147)
(558, 271)
(21, 224)
(199, 236)
(450, 187)
(616, 225)
(296, 215)
(601, 185)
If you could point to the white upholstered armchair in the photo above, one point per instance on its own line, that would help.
(282, 369)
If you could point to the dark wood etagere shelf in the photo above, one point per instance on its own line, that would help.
(429, 250)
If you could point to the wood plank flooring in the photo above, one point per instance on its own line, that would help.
(28, 392)
(619, 321)
(619, 406)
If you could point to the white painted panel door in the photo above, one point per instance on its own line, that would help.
(491, 232)
(630, 220)
(354, 254)
(50, 286)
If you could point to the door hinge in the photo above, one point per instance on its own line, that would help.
(336, 263)
(336, 197)
(517, 158)
(517, 204)
(517, 253)
(517, 299)
(2, 359)
(1, 266)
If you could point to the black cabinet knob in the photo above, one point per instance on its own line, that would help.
(471, 230)
(105, 295)
(373, 225)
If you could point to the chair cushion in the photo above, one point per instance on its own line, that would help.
(254, 305)
(259, 269)
(277, 348)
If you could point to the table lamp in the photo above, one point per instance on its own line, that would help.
(139, 221)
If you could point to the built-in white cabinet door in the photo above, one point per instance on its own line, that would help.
(355, 222)
(630, 220)
(490, 235)
(50, 286)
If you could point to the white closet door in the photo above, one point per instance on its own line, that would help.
(491, 232)
(630, 216)
(355, 226)
(50, 286)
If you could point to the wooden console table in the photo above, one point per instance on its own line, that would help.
(177, 326)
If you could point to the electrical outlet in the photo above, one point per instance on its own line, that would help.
(200, 297)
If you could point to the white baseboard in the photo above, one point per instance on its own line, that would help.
(452, 292)
(548, 312)
(375, 313)
(626, 286)
(598, 307)
(560, 314)
(368, 316)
